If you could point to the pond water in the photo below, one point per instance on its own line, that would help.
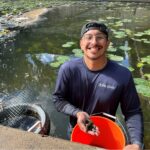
(26, 59)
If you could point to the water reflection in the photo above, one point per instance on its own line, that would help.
(26, 59)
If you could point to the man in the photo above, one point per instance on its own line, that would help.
(94, 84)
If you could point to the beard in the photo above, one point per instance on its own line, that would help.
(96, 57)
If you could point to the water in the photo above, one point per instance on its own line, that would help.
(25, 59)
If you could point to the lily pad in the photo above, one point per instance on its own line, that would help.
(59, 60)
(142, 86)
(115, 57)
(77, 52)
(118, 24)
(127, 31)
(55, 64)
(62, 59)
(140, 64)
(146, 41)
(111, 48)
(119, 34)
(68, 44)
(131, 69)
(138, 40)
(147, 75)
(141, 81)
(125, 48)
(146, 59)
(144, 90)
(147, 32)
(126, 20)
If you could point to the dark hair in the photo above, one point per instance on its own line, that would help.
(95, 25)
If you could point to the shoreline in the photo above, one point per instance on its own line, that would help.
(10, 25)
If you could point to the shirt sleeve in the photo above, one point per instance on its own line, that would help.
(60, 95)
(131, 109)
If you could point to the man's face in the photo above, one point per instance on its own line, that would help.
(94, 44)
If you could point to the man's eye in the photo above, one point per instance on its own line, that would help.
(88, 37)
(100, 37)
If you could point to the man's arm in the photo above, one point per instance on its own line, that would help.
(131, 109)
(60, 95)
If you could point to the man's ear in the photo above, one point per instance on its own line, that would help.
(81, 44)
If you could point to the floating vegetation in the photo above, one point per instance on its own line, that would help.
(140, 64)
(127, 31)
(146, 41)
(146, 59)
(126, 20)
(125, 48)
(115, 57)
(19, 6)
(142, 86)
(68, 44)
(147, 76)
(77, 52)
(111, 48)
(109, 18)
(147, 32)
(119, 34)
(137, 40)
(139, 34)
(131, 69)
(118, 24)
(59, 60)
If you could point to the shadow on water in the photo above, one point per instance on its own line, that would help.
(26, 59)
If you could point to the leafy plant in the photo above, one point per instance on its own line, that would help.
(68, 44)
(142, 86)
(77, 52)
(59, 60)
(146, 59)
(115, 57)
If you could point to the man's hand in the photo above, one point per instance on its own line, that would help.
(82, 119)
(132, 147)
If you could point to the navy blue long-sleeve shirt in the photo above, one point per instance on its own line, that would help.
(79, 89)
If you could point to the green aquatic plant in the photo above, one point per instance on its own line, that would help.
(68, 44)
(115, 57)
(118, 24)
(146, 59)
(77, 52)
(147, 32)
(21, 6)
(146, 41)
(142, 86)
(127, 31)
(111, 48)
(143, 62)
(55, 64)
(137, 40)
(125, 48)
(127, 20)
(139, 34)
(59, 60)
(147, 76)
(140, 64)
(119, 34)
(131, 69)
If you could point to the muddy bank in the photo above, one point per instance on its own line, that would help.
(10, 24)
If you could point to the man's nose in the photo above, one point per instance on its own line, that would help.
(94, 40)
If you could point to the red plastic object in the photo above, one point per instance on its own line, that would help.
(111, 136)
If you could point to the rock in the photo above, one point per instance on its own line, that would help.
(16, 22)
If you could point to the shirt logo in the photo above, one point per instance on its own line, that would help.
(103, 85)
